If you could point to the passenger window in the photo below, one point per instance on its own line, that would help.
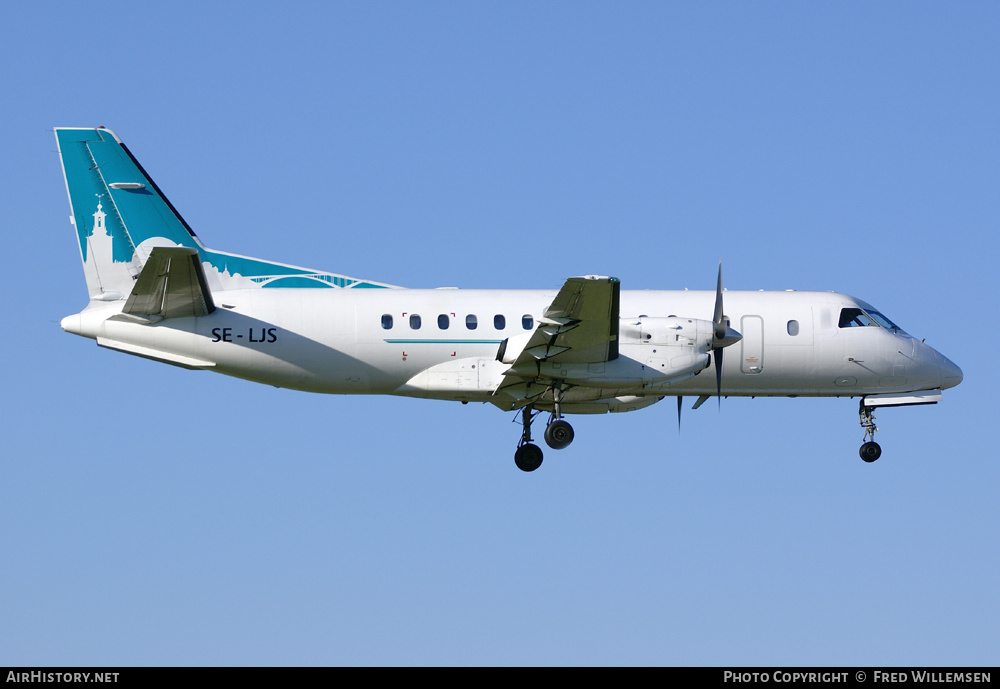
(443, 321)
(387, 321)
(527, 322)
(499, 322)
(793, 328)
(414, 321)
(471, 322)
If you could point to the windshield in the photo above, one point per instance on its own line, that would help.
(884, 322)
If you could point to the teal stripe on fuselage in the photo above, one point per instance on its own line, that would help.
(442, 341)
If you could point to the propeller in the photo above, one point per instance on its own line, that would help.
(722, 336)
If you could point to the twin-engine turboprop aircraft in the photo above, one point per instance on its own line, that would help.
(588, 348)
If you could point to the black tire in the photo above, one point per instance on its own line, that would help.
(870, 451)
(528, 457)
(558, 434)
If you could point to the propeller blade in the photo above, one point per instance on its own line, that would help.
(720, 327)
(680, 401)
(717, 355)
(718, 335)
(722, 336)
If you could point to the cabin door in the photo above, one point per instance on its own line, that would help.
(752, 344)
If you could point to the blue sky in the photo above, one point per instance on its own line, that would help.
(151, 515)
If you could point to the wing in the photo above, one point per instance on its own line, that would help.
(579, 327)
(171, 285)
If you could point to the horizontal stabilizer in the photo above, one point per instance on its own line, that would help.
(155, 354)
(171, 285)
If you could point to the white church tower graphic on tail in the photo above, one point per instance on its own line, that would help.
(107, 279)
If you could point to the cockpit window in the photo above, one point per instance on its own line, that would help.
(884, 322)
(853, 318)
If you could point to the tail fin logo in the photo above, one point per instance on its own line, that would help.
(108, 279)
(132, 217)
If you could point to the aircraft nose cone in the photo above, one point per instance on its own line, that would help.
(951, 374)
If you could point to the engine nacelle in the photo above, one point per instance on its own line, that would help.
(653, 352)
(670, 331)
(512, 347)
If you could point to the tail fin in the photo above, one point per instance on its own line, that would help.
(121, 216)
(119, 213)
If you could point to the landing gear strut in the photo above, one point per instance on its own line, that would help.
(870, 450)
(558, 434)
(528, 456)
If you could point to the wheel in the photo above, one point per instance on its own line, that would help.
(870, 451)
(528, 457)
(558, 434)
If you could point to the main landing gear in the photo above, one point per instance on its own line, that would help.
(870, 450)
(528, 456)
(558, 434)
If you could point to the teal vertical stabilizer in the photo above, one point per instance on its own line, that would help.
(120, 216)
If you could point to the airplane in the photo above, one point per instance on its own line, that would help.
(156, 291)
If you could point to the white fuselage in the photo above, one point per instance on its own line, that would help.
(335, 341)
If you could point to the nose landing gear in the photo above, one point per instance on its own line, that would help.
(870, 450)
